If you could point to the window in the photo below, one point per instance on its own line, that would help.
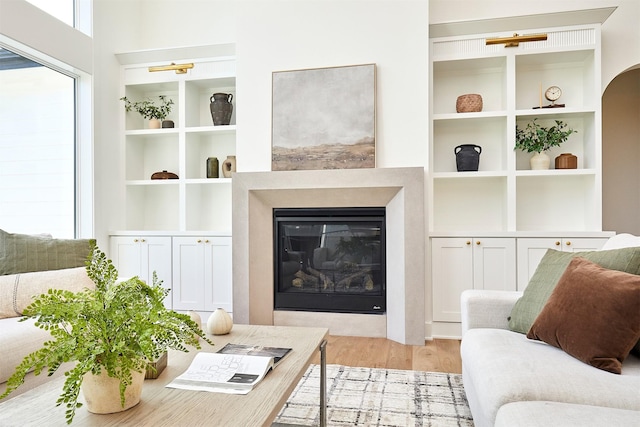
(37, 148)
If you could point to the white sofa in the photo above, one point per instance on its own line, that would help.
(20, 338)
(29, 266)
(511, 380)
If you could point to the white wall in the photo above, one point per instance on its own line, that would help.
(289, 35)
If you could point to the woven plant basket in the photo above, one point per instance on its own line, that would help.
(469, 103)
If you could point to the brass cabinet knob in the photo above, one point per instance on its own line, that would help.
(468, 242)
(477, 242)
(199, 241)
(568, 243)
(557, 243)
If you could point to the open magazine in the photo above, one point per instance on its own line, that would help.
(224, 372)
(277, 353)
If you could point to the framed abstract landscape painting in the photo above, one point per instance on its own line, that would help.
(324, 118)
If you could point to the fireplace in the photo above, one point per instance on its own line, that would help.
(330, 260)
(401, 192)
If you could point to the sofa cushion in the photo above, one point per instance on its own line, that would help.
(17, 340)
(500, 366)
(544, 414)
(593, 314)
(22, 253)
(551, 267)
(622, 240)
(17, 290)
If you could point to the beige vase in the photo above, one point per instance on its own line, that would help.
(219, 323)
(228, 166)
(102, 392)
(155, 124)
(540, 161)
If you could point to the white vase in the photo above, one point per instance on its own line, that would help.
(102, 392)
(540, 161)
(219, 323)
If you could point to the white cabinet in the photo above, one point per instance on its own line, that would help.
(192, 202)
(531, 250)
(469, 263)
(142, 256)
(202, 273)
(504, 195)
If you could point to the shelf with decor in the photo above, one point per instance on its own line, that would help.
(512, 83)
(171, 205)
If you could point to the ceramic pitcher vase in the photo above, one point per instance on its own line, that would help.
(221, 108)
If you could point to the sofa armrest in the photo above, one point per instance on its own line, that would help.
(486, 309)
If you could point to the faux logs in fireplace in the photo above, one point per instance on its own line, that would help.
(330, 260)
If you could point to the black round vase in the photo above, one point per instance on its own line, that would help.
(467, 157)
(221, 108)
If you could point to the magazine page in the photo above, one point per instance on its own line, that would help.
(277, 353)
(224, 373)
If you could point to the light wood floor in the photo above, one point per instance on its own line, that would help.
(435, 356)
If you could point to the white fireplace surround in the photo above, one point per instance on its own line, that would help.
(399, 190)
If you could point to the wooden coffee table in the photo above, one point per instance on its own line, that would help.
(163, 406)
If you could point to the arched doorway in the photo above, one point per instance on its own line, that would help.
(621, 153)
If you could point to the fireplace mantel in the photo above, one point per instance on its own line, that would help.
(400, 190)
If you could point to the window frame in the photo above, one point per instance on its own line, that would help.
(34, 34)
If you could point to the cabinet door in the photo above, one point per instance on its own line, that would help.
(531, 251)
(218, 288)
(125, 253)
(202, 273)
(156, 257)
(451, 273)
(142, 256)
(188, 273)
(494, 264)
(583, 244)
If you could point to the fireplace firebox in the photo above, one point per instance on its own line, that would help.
(330, 260)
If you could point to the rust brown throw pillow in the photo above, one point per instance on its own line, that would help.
(593, 314)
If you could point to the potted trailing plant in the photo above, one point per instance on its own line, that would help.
(149, 110)
(111, 332)
(535, 138)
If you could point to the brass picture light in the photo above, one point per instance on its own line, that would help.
(179, 68)
(515, 40)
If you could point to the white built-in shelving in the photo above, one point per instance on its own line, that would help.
(504, 195)
(191, 212)
(192, 202)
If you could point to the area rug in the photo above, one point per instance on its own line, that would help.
(378, 397)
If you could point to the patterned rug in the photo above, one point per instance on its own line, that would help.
(378, 397)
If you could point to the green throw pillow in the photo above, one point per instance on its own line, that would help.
(549, 271)
(23, 253)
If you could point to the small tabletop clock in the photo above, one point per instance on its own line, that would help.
(553, 93)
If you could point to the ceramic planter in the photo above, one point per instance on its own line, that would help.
(102, 392)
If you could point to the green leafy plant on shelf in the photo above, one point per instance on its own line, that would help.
(535, 138)
(118, 327)
(148, 109)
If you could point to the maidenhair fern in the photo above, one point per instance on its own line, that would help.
(119, 326)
